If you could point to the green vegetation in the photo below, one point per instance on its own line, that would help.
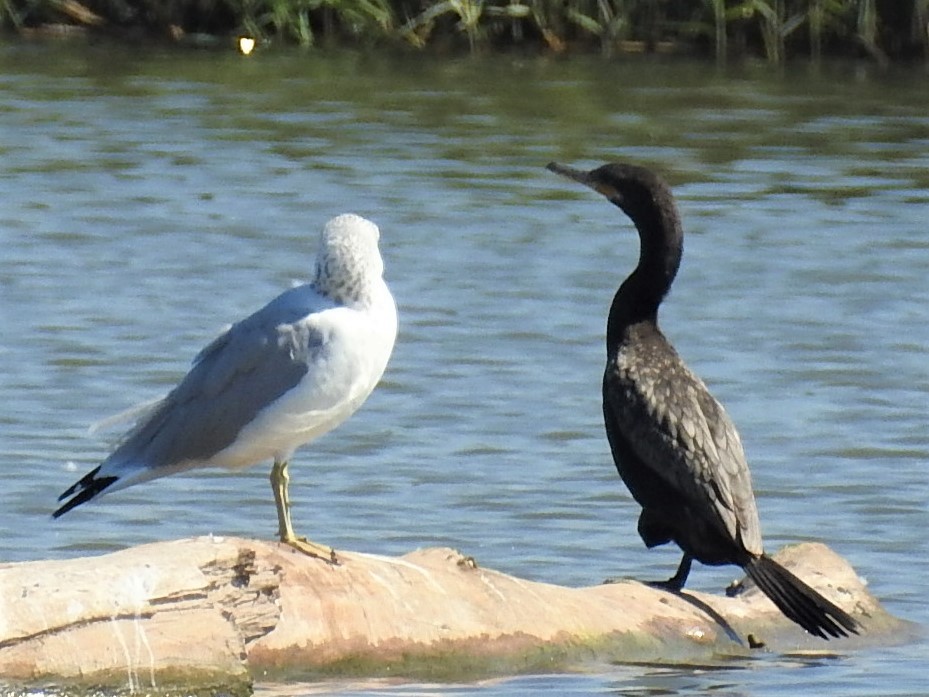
(774, 29)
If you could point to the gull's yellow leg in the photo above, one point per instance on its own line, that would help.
(279, 482)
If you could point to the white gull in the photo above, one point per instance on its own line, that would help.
(278, 379)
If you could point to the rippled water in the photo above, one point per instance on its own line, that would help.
(148, 198)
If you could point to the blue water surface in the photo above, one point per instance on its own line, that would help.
(148, 198)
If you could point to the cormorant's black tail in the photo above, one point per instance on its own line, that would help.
(798, 601)
(83, 490)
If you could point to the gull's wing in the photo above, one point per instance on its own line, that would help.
(133, 415)
(236, 376)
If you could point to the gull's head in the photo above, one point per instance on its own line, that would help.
(348, 262)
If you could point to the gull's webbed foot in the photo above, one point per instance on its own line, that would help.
(312, 549)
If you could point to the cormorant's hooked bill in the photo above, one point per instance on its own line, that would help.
(569, 172)
(586, 178)
(619, 182)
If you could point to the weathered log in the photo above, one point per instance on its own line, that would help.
(211, 614)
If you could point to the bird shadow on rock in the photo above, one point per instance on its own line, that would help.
(703, 607)
(710, 612)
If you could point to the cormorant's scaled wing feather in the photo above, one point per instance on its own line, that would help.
(675, 427)
(731, 460)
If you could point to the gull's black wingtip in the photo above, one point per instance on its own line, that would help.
(82, 491)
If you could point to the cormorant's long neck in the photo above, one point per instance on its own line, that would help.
(661, 243)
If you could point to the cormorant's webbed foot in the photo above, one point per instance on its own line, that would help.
(735, 588)
(677, 581)
(673, 584)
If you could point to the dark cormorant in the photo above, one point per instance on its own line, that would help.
(673, 443)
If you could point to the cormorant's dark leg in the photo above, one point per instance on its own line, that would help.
(677, 581)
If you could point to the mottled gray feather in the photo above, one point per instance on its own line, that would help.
(676, 429)
(233, 378)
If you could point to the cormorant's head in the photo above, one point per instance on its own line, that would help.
(636, 190)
